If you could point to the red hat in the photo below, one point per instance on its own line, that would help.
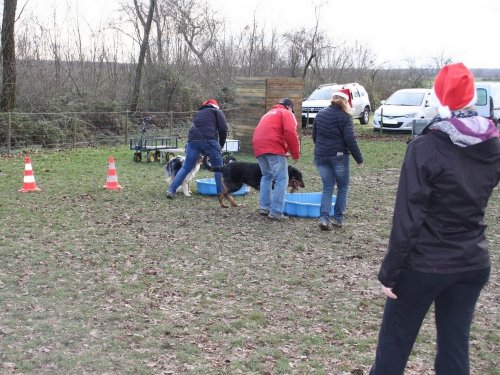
(344, 93)
(211, 102)
(454, 88)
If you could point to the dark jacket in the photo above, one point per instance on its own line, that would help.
(333, 132)
(209, 123)
(440, 204)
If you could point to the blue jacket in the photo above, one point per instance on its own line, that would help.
(333, 132)
(209, 123)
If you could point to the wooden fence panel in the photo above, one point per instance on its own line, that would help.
(255, 96)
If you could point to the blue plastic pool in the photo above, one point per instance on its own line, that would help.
(304, 204)
(206, 186)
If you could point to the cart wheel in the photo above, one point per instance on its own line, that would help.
(169, 156)
(150, 157)
(229, 159)
(157, 155)
(137, 157)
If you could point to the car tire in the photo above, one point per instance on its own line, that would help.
(365, 117)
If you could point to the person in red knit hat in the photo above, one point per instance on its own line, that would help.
(437, 252)
(206, 137)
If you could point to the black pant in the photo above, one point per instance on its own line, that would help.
(454, 297)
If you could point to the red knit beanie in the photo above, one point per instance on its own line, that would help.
(211, 102)
(454, 88)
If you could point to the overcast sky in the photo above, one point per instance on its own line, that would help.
(395, 30)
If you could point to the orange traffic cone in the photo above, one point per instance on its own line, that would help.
(112, 179)
(29, 178)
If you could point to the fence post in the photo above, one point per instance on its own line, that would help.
(170, 121)
(74, 133)
(9, 134)
(381, 120)
(126, 126)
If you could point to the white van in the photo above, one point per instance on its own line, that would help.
(487, 105)
(488, 100)
(403, 106)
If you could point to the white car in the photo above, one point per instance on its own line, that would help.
(320, 98)
(398, 112)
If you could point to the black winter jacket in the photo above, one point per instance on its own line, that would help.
(209, 123)
(440, 204)
(333, 132)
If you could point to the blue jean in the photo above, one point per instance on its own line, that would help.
(333, 170)
(274, 168)
(454, 296)
(212, 149)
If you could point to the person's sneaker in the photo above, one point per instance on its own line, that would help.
(263, 212)
(323, 224)
(337, 223)
(170, 195)
(280, 217)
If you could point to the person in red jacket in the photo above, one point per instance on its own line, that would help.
(274, 139)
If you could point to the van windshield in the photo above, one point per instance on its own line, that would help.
(406, 98)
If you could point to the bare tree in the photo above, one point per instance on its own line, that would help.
(305, 46)
(8, 95)
(197, 25)
(185, 54)
(142, 54)
(417, 75)
(440, 61)
(252, 41)
(160, 23)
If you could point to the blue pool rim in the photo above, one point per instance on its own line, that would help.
(305, 204)
(206, 186)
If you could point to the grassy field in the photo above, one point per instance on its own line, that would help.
(126, 282)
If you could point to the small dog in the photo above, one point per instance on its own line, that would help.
(174, 165)
(237, 173)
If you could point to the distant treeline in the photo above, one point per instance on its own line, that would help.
(52, 86)
(486, 74)
(190, 56)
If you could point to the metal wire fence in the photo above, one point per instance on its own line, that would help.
(85, 129)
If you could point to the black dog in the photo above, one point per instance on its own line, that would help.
(237, 173)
